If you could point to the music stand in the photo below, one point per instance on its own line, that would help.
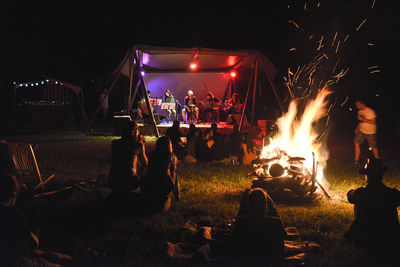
(155, 101)
(167, 106)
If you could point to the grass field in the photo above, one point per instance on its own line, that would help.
(86, 228)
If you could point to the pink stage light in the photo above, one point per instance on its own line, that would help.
(193, 66)
(233, 74)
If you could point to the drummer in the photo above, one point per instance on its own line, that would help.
(190, 105)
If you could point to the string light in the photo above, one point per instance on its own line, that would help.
(37, 83)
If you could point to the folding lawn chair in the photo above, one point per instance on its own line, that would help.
(25, 164)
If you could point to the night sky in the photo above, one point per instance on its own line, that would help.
(80, 42)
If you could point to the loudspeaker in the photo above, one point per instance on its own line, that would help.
(120, 122)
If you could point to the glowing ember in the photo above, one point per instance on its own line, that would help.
(296, 136)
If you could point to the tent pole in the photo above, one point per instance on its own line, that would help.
(245, 102)
(14, 105)
(130, 85)
(150, 109)
(134, 95)
(273, 88)
(146, 96)
(104, 97)
(254, 90)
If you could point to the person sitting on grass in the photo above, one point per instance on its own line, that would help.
(235, 146)
(205, 146)
(376, 224)
(127, 155)
(175, 134)
(195, 136)
(18, 244)
(258, 233)
(160, 179)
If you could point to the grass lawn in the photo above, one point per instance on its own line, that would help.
(86, 228)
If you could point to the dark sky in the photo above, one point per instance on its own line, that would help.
(79, 42)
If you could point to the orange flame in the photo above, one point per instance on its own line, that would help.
(298, 137)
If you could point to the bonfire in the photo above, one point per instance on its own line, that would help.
(294, 158)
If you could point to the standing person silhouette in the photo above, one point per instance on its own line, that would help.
(366, 129)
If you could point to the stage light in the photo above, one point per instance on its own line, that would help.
(142, 73)
(233, 74)
(193, 66)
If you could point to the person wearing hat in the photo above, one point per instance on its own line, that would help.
(190, 105)
(127, 156)
(376, 224)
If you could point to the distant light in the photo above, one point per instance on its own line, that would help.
(61, 83)
(233, 74)
(14, 83)
(193, 66)
(36, 84)
(47, 81)
(42, 82)
(32, 84)
(26, 85)
(20, 85)
(142, 73)
(56, 82)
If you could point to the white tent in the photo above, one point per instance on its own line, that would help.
(156, 69)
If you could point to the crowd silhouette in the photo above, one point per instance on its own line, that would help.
(258, 232)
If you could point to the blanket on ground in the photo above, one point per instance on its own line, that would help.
(207, 244)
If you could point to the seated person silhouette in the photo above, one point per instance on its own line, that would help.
(174, 133)
(205, 146)
(127, 156)
(258, 233)
(160, 179)
(376, 224)
(18, 244)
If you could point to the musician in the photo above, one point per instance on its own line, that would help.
(232, 107)
(143, 110)
(169, 98)
(233, 104)
(212, 106)
(190, 105)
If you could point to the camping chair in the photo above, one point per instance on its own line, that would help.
(25, 165)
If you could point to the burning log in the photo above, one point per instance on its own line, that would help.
(284, 175)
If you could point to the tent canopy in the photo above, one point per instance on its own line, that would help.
(171, 59)
(168, 68)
